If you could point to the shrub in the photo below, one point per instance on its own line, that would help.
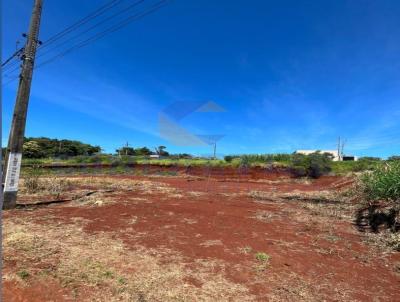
(313, 165)
(383, 183)
(262, 257)
(229, 158)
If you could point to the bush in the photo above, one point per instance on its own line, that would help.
(383, 183)
(229, 158)
(313, 165)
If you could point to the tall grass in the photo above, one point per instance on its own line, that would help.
(383, 183)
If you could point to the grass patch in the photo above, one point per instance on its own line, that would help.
(23, 274)
(262, 257)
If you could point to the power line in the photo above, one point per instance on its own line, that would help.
(101, 34)
(81, 22)
(112, 29)
(93, 27)
(14, 55)
(69, 29)
(101, 10)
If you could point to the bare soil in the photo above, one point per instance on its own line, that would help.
(194, 236)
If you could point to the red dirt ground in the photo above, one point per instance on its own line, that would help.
(297, 242)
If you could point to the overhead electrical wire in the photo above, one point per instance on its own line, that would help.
(131, 18)
(112, 29)
(124, 10)
(98, 12)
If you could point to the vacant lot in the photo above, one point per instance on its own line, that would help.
(202, 237)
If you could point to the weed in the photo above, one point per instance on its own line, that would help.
(23, 274)
(122, 281)
(262, 257)
(383, 183)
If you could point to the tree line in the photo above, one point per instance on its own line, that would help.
(43, 147)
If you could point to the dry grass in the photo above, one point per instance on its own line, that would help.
(385, 241)
(95, 191)
(45, 185)
(323, 204)
(99, 268)
(292, 287)
(109, 183)
(263, 216)
(209, 243)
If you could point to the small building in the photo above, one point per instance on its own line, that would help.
(154, 156)
(349, 158)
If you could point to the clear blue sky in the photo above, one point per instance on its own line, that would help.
(290, 75)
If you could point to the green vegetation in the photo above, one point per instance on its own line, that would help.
(383, 183)
(45, 151)
(260, 159)
(262, 257)
(23, 274)
(134, 151)
(313, 165)
(363, 164)
(43, 147)
(263, 261)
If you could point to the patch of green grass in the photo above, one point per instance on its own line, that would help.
(262, 257)
(262, 261)
(122, 281)
(345, 167)
(23, 274)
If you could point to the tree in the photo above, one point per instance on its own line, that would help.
(126, 151)
(143, 151)
(32, 149)
(62, 148)
(160, 150)
(313, 165)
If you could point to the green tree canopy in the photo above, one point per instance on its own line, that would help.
(46, 147)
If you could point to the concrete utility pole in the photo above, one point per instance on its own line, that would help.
(16, 139)
(215, 150)
(340, 148)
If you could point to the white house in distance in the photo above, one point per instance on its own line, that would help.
(334, 153)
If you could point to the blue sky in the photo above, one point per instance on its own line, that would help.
(289, 74)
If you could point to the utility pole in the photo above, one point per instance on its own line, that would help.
(16, 139)
(215, 150)
(342, 149)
